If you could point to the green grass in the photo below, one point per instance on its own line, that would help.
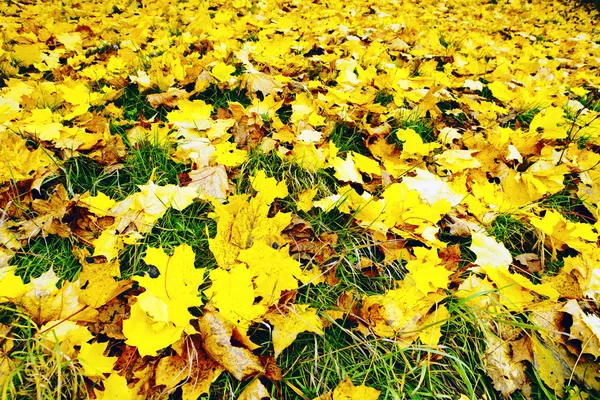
(220, 98)
(517, 236)
(314, 365)
(568, 204)
(144, 161)
(422, 126)
(283, 169)
(190, 226)
(348, 138)
(41, 254)
(135, 106)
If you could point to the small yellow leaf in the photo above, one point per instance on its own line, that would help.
(287, 325)
(100, 204)
(92, 358)
(108, 244)
(305, 199)
(146, 334)
(222, 71)
(115, 387)
(268, 188)
(345, 170)
(346, 390)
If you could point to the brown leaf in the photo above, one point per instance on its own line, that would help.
(111, 152)
(168, 99)
(192, 370)
(110, 319)
(531, 261)
(216, 339)
(521, 350)
(273, 372)
(50, 215)
(506, 374)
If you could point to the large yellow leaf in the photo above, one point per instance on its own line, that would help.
(175, 289)
(232, 293)
(148, 335)
(489, 252)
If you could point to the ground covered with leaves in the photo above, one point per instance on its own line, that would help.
(334, 200)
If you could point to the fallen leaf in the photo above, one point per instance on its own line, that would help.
(290, 322)
(216, 340)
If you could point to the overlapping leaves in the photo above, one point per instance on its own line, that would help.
(433, 120)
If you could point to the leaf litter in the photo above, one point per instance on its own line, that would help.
(455, 114)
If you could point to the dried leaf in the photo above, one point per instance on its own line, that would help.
(216, 340)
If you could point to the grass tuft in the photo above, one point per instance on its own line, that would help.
(422, 126)
(38, 369)
(41, 254)
(144, 161)
(190, 226)
(348, 138)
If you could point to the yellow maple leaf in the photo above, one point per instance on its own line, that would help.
(501, 91)
(413, 143)
(274, 270)
(515, 291)
(268, 188)
(562, 233)
(488, 251)
(98, 282)
(100, 204)
(94, 362)
(366, 165)
(46, 302)
(67, 334)
(169, 295)
(12, 287)
(431, 333)
(551, 123)
(399, 312)
(305, 199)
(240, 224)
(108, 244)
(192, 114)
(289, 323)
(427, 272)
(226, 153)
(17, 160)
(115, 387)
(148, 335)
(345, 170)
(232, 293)
(222, 71)
(346, 390)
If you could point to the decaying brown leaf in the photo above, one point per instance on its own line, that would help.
(216, 340)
